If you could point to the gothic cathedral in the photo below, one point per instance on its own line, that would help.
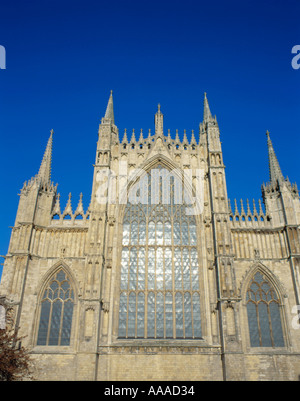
(160, 277)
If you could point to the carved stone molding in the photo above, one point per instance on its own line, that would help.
(157, 349)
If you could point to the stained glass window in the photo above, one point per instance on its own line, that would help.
(56, 312)
(159, 289)
(263, 307)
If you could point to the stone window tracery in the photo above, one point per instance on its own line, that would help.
(159, 286)
(263, 309)
(56, 311)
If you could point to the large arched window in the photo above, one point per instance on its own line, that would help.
(56, 311)
(159, 288)
(263, 308)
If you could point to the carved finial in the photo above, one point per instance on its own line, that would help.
(159, 122)
(125, 140)
(261, 213)
(254, 208)
(193, 139)
(236, 211)
(133, 140)
(185, 140)
(68, 208)
(248, 208)
(79, 210)
(242, 207)
(229, 207)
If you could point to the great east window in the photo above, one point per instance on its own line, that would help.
(159, 286)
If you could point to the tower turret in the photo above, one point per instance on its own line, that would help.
(281, 197)
(37, 194)
(159, 122)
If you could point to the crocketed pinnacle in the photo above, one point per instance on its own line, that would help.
(206, 113)
(44, 174)
(159, 121)
(274, 168)
(109, 114)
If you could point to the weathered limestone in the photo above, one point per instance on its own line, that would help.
(233, 243)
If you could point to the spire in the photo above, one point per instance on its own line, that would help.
(109, 114)
(274, 168)
(125, 140)
(159, 122)
(206, 113)
(45, 169)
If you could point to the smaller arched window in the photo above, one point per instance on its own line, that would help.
(264, 318)
(56, 311)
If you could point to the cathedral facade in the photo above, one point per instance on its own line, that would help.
(160, 277)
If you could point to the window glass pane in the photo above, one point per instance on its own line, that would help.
(264, 325)
(142, 233)
(184, 233)
(177, 237)
(67, 323)
(151, 268)
(168, 269)
(55, 322)
(169, 314)
(196, 315)
(60, 276)
(194, 268)
(141, 315)
(186, 269)
(177, 269)
(193, 234)
(124, 268)
(141, 269)
(126, 231)
(276, 325)
(151, 315)
(131, 315)
(159, 269)
(123, 315)
(151, 233)
(253, 324)
(188, 315)
(179, 315)
(44, 322)
(159, 233)
(134, 233)
(133, 269)
(168, 233)
(159, 315)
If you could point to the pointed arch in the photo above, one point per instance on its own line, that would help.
(159, 257)
(56, 307)
(263, 300)
(186, 192)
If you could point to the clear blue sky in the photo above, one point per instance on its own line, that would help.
(64, 57)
